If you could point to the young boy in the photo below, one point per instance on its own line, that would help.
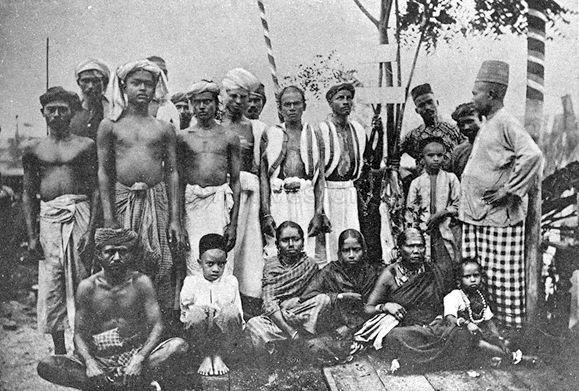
(433, 201)
(211, 306)
(468, 307)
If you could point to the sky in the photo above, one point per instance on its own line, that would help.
(206, 38)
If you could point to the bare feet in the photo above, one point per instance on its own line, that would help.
(206, 367)
(219, 367)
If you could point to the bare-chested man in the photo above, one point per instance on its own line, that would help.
(181, 102)
(292, 173)
(118, 326)
(138, 176)
(61, 169)
(161, 107)
(208, 153)
(248, 251)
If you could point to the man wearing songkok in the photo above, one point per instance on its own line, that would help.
(503, 164)
(211, 307)
(61, 168)
(248, 251)
(468, 121)
(344, 143)
(433, 126)
(285, 278)
(256, 101)
(92, 76)
(138, 176)
(292, 173)
(118, 326)
(208, 155)
(163, 108)
(181, 102)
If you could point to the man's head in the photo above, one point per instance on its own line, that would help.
(92, 76)
(433, 151)
(351, 247)
(237, 84)
(291, 103)
(160, 63)
(490, 86)
(58, 107)
(412, 247)
(115, 249)
(212, 256)
(290, 241)
(425, 102)
(341, 98)
(468, 120)
(181, 102)
(204, 98)
(256, 101)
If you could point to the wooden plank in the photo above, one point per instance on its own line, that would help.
(381, 94)
(398, 382)
(215, 383)
(503, 379)
(357, 375)
(459, 380)
(376, 54)
(542, 378)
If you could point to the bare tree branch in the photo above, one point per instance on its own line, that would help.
(367, 13)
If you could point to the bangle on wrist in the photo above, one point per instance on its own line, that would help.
(340, 296)
(294, 335)
(379, 308)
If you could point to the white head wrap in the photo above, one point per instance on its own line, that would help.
(117, 98)
(239, 78)
(92, 64)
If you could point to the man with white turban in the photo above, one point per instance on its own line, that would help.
(208, 156)
(92, 76)
(248, 252)
(138, 176)
(164, 109)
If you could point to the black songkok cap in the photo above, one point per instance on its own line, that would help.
(339, 87)
(59, 93)
(211, 241)
(421, 90)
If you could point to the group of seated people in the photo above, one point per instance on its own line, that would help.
(415, 311)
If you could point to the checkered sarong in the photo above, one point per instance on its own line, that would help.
(500, 251)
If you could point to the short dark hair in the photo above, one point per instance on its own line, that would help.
(59, 93)
(464, 109)
(458, 269)
(288, 224)
(280, 94)
(429, 140)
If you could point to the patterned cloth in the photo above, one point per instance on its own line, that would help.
(146, 211)
(449, 133)
(114, 352)
(500, 251)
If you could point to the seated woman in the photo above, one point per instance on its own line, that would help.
(406, 303)
(348, 282)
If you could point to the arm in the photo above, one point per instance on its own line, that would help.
(181, 153)
(107, 172)
(320, 223)
(86, 242)
(267, 221)
(377, 300)
(272, 309)
(234, 168)
(172, 181)
(31, 186)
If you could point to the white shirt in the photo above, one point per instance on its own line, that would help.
(219, 293)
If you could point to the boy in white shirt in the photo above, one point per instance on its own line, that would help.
(211, 306)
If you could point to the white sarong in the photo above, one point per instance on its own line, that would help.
(206, 211)
(63, 221)
(248, 251)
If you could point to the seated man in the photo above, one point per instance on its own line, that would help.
(285, 278)
(118, 325)
(211, 306)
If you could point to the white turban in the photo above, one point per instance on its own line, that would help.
(239, 78)
(92, 64)
(203, 86)
(117, 99)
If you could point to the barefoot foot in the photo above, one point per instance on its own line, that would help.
(206, 367)
(219, 366)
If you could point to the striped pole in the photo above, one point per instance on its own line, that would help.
(270, 57)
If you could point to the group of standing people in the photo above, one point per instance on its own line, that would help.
(222, 213)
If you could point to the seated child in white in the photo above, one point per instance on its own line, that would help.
(211, 307)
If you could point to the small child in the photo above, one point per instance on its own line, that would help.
(432, 202)
(468, 307)
(211, 306)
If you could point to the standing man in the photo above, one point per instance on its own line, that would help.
(468, 121)
(433, 126)
(344, 142)
(61, 169)
(181, 102)
(138, 176)
(292, 173)
(248, 251)
(256, 101)
(92, 76)
(208, 155)
(163, 108)
(493, 204)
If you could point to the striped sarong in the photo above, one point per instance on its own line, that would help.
(500, 251)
